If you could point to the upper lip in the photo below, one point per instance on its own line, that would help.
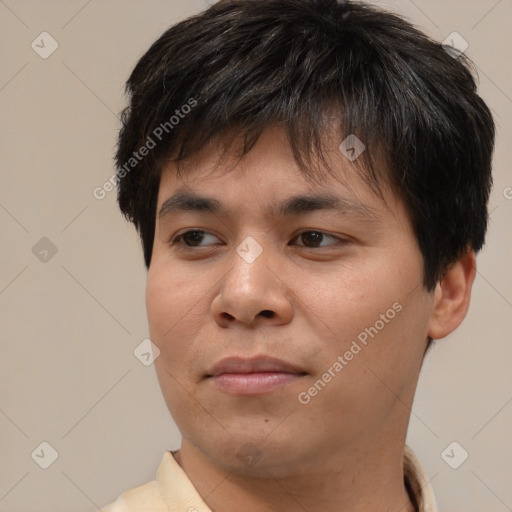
(253, 365)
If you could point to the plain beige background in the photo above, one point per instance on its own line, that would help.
(70, 324)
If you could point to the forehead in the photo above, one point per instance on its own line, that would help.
(217, 179)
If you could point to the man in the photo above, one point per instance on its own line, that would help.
(310, 181)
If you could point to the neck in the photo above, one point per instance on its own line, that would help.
(352, 480)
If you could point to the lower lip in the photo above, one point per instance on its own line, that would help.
(254, 383)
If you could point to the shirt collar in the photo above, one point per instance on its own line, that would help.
(417, 484)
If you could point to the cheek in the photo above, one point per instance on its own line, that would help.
(175, 305)
(378, 306)
(178, 304)
(172, 294)
(346, 299)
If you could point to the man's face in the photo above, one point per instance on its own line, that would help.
(335, 293)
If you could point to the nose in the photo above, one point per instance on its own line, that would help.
(253, 293)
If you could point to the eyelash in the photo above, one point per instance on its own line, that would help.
(178, 239)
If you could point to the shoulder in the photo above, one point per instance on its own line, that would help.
(145, 498)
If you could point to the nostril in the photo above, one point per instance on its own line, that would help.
(267, 313)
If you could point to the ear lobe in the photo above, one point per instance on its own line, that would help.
(452, 296)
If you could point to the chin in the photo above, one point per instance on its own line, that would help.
(254, 453)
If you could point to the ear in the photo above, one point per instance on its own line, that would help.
(452, 296)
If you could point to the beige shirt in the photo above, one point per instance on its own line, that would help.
(172, 491)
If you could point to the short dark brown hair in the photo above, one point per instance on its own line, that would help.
(243, 65)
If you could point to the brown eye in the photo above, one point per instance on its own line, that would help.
(312, 239)
(191, 238)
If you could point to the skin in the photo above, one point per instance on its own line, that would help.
(343, 450)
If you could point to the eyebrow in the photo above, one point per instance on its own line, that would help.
(293, 206)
